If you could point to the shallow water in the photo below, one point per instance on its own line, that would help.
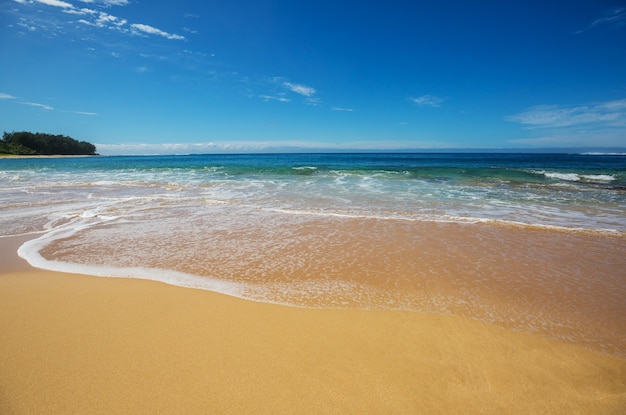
(529, 242)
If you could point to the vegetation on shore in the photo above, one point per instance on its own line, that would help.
(40, 144)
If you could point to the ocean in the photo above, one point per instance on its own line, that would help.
(533, 242)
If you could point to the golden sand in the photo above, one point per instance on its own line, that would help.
(87, 345)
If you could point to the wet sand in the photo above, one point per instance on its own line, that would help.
(88, 345)
(566, 286)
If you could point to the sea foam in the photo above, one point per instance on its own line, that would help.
(30, 251)
(575, 177)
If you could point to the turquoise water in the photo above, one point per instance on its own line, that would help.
(554, 190)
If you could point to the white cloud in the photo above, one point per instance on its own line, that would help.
(260, 147)
(108, 2)
(584, 138)
(81, 113)
(609, 113)
(80, 12)
(428, 100)
(280, 97)
(613, 17)
(600, 124)
(28, 27)
(38, 105)
(154, 31)
(313, 101)
(307, 91)
(56, 3)
(342, 109)
(107, 20)
(34, 104)
(167, 148)
(101, 19)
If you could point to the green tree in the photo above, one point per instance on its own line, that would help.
(25, 142)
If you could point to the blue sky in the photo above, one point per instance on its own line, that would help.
(138, 76)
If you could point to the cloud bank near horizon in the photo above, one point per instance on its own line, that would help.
(597, 123)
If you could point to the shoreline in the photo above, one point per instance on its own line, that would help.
(109, 345)
(550, 284)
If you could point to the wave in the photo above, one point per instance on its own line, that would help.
(602, 154)
(449, 218)
(305, 168)
(576, 177)
(30, 251)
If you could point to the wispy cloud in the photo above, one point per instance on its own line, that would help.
(428, 101)
(304, 90)
(144, 28)
(307, 91)
(342, 109)
(83, 113)
(604, 138)
(35, 104)
(46, 107)
(594, 124)
(4, 95)
(609, 113)
(278, 97)
(613, 17)
(107, 2)
(279, 89)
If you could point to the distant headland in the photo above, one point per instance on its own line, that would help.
(25, 143)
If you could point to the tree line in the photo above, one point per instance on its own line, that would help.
(27, 143)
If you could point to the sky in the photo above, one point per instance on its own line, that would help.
(162, 77)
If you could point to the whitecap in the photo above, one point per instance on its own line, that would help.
(570, 177)
(598, 177)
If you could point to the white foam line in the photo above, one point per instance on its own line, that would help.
(30, 252)
(450, 219)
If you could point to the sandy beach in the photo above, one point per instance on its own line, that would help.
(88, 345)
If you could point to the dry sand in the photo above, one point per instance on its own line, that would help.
(73, 344)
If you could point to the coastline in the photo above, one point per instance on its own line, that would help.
(82, 344)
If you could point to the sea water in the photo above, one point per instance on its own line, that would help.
(535, 242)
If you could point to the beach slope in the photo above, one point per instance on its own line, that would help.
(79, 344)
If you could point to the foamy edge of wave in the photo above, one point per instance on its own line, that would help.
(575, 177)
(456, 219)
(30, 251)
